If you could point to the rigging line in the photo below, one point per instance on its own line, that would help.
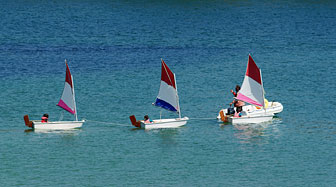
(202, 118)
(119, 124)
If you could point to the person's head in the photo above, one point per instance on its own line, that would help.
(146, 117)
(45, 115)
(237, 88)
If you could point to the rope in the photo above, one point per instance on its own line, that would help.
(127, 125)
(110, 123)
(201, 118)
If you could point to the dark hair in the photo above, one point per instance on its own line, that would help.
(146, 117)
(237, 88)
(46, 115)
(239, 109)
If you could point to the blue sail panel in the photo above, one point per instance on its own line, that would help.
(165, 105)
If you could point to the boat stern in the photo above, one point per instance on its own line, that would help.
(223, 117)
(27, 121)
(135, 122)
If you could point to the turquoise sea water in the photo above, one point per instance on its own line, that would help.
(114, 50)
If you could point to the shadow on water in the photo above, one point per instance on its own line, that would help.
(224, 124)
(136, 129)
(28, 130)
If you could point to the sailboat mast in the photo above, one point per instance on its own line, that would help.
(177, 98)
(160, 115)
(262, 87)
(73, 91)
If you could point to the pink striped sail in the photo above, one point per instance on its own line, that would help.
(252, 88)
(167, 97)
(67, 101)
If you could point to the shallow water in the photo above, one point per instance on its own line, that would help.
(114, 50)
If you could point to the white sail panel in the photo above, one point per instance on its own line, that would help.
(66, 101)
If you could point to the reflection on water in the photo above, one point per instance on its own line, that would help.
(168, 136)
(256, 133)
(67, 132)
(224, 124)
(29, 130)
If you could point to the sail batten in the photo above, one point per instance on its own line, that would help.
(252, 90)
(167, 97)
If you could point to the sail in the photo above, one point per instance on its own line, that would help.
(67, 101)
(167, 97)
(252, 90)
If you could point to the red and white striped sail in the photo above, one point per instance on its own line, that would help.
(67, 101)
(252, 88)
(167, 97)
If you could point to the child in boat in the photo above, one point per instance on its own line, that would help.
(44, 118)
(147, 120)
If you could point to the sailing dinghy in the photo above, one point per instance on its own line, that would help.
(271, 107)
(252, 92)
(67, 102)
(167, 99)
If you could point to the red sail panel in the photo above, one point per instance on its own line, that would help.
(253, 70)
(68, 75)
(167, 75)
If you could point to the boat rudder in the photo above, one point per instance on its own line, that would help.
(222, 116)
(27, 121)
(134, 121)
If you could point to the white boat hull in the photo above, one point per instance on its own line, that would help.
(57, 125)
(165, 123)
(251, 110)
(250, 119)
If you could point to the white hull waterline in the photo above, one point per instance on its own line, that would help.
(251, 110)
(250, 119)
(165, 123)
(57, 125)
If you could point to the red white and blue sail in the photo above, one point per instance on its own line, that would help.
(167, 97)
(252, 90)
(67, 101)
